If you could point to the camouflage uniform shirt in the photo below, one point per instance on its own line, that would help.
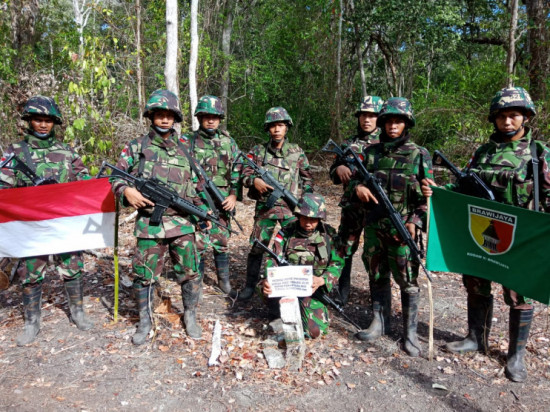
(166, 162)
(50, 158)
(289, 165)
(217, 155)
(507, 169)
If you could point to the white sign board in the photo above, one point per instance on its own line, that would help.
(291, 281)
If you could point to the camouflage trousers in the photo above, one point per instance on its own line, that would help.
(315, 319)
(263, 231)
(217, 238)
(479, 286)
(384, 256)
(150, 255)
(31, 269)
(352, 222)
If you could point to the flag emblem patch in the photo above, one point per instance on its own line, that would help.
(491, 230)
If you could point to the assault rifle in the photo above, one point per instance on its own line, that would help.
(468, 183)
(319, 295)
(374, 186)
(26, 170)
(216, 197)
(162, 195)
(278, 189)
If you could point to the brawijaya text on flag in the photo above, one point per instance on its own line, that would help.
(490, 240)
(51, 219)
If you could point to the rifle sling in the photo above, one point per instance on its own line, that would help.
(535, 160)
(199, 173)
(28, 157)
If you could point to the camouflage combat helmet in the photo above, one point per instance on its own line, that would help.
(369, 104)
(396, 106)
(42, 106)
(510, 97)
(311, 205)
(163, 99)
(210, 105)
(277, 114)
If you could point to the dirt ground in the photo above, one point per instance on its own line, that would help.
(101, 370)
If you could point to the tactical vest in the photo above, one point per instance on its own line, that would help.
(395, 167)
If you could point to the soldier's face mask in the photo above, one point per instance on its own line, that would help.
(209, 122)
(277, 131)
(394, 126)
(308, 224)
(509, 122)
(41, 126)
(367, 122)
(163, 120)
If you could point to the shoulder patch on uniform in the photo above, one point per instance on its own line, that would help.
(184, 138)
(280, 236)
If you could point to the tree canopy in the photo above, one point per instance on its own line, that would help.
(447, 56)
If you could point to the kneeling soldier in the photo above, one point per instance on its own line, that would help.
(309, 241)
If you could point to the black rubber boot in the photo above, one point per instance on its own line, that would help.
(381, 308)
(520, 323)
(480, 316)
(190, 296)
(222, 269)
(75, 296)
(32, 302)
(409, 302)
(253, 265)
(145, 324)
(344, 282)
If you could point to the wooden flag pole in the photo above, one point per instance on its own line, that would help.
(430, 296)
(115, 256)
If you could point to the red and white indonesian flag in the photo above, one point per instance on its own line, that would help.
(51, 219)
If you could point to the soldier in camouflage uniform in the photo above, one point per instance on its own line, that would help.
(159, 154)
(216, 151)
(309, 241)
(48, 158)
(505, 164)
(288, 164)
(399, 165)
(352, 220)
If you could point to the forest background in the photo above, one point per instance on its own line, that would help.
(317, 58)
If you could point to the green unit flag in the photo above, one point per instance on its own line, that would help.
(490, 240)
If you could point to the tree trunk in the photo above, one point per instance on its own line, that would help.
(81, 15)
(139, 69)
(23, 18)
(359, 52)
(193, 62)
(539, 48)
(510, 56)
(339, 74)
(171, 62)
(170, 67)
(226, 51)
